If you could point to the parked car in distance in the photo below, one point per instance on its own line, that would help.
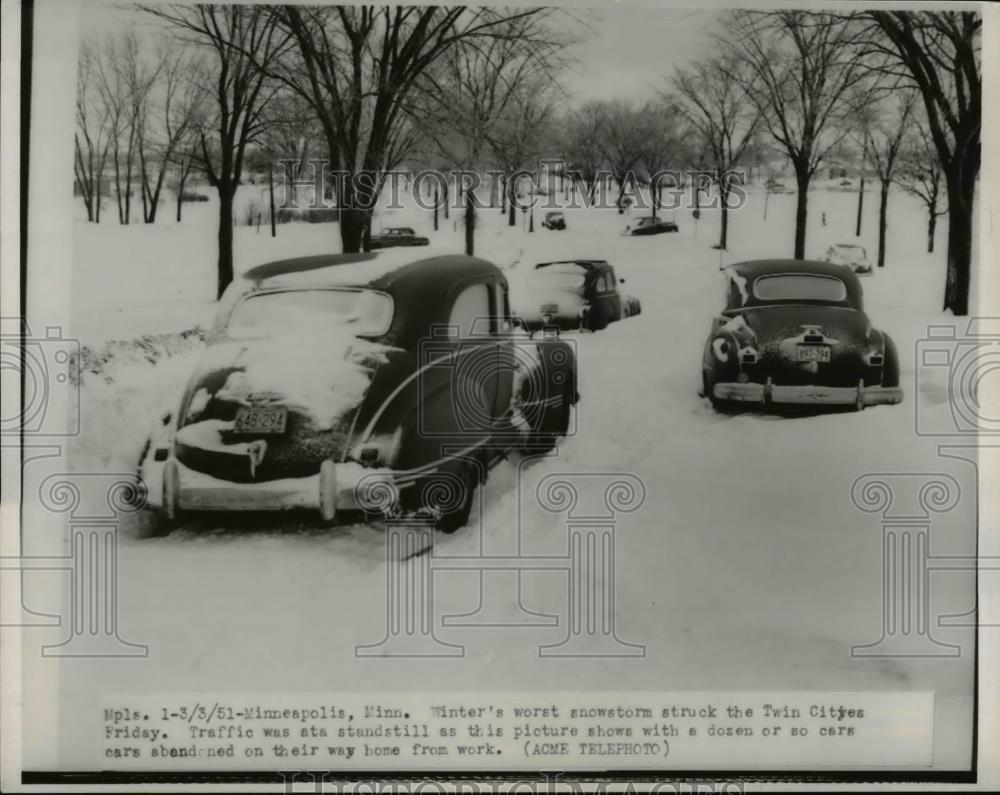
(850, 254)
(795, 332)
(575, 294)
(398, 236)
(554, 220)
(651, 226)
(356, 385)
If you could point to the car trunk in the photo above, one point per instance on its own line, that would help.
(259, 410)
(802, 344)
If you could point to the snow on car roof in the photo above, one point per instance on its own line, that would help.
(586, 264)
(333, 269)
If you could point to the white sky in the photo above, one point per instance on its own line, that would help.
(632, 49)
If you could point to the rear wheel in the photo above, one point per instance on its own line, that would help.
(542, 441)
(154, 523)
(449, 496)
(890, 365)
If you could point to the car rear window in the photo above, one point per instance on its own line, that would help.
(570, 278)
(297, 312)
(799, 287)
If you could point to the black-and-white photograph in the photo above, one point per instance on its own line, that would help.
(512, 394)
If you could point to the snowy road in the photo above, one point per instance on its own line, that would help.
(747, 567)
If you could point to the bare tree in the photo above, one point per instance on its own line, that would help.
(801, 69)
(723, 113)
(242, 41)
(125, 80)
(361, 68)
(516, 138)
(582, 148)
(883, 140)
(661, 149)
(940, 52)
(920, 175)
(175, 104)
(93, 135)
(623, 131)
(477, 90)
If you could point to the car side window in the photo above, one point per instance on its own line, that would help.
(470, 313)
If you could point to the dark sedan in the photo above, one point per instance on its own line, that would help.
(353, 383)
(554, 220)
(795, 332)
(651, 226)
(576, 294)
(398, 236)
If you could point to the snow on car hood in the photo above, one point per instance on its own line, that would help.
(323, 377)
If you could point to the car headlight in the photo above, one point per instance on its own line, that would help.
(720, 347)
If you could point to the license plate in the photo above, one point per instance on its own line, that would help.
(261, 420)
(814, 353)
(550, 309)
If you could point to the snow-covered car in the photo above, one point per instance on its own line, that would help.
(398, 236)
(575, 294)
(850, 254)
(347, 383)
(795, 332)
(651, 226)
(554, 220)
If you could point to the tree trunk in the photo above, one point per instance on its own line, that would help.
(511, 205)
(352, 229)
(447, 194)
(861, 190)
(960, 198)
(270, 190)
(470, 223)
(437, 203)
(724, 228)
(503, 195)
(225, 269)
(801, 212)
(883, 202)
(181, 182)
(931, 228)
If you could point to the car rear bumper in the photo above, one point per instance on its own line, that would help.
(172, 487)
(808, 394)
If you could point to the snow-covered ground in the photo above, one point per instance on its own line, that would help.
(748, 567)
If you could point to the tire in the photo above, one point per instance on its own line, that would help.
(890, 365)
(456, 516)
(541, 443)
(154, 523)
